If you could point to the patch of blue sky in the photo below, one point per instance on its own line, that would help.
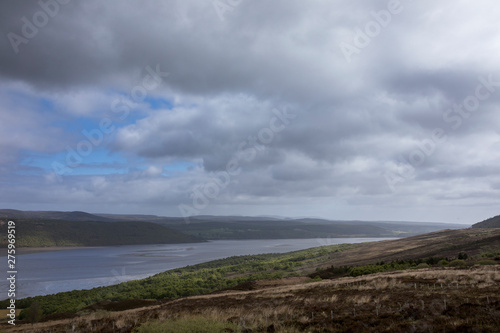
(98, 162)
(86, 170)
(41, 162)
(175, 168)
(133, 116)
(168, 170)
(23, 100)
(123, 110)
(156, 103)
(46, 105)
(76, 124)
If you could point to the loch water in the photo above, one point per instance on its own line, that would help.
(46, 273)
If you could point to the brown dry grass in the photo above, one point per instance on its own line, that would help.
(425, 300)
(446, 243)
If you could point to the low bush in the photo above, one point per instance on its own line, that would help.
(443, 263)
(457, 263)
(316, 279)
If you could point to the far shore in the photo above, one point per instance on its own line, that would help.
(28, 250)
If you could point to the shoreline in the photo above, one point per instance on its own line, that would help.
(30, 250)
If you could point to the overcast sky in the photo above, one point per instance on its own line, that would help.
(373, 110)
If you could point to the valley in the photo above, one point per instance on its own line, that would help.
(416, 283)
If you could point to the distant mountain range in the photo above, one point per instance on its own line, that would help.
(56, 228)
(52, 215)
(247, 227)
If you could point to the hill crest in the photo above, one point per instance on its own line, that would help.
(492, 222)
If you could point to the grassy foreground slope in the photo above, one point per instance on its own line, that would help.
(423, 300)
(446, 244)
(41, 232)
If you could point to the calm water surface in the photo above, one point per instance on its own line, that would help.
(52, 272)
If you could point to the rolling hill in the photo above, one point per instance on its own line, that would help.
(493, 222)
(45, 232)
(51, 215)
(56, 228)
(257, 227)
(252, 229)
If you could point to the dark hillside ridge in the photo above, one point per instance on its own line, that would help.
(493, 222)
(45, 232)
(51, 215)
(279, 230)
(233, 227)
(249, 227)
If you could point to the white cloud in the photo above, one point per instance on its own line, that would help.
(354, 121)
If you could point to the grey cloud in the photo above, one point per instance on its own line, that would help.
(98, 41)
(353, 120)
